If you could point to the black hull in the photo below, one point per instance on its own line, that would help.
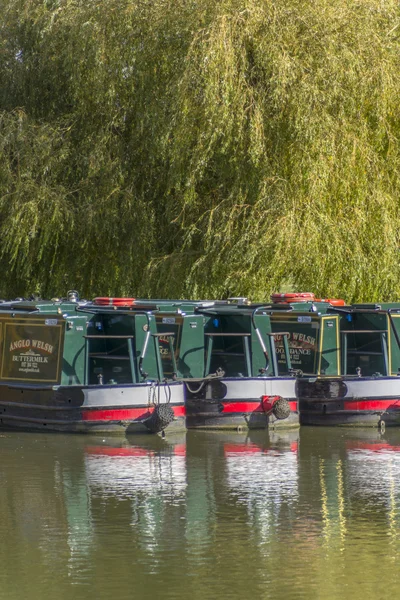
(235, 415)
(74, 409)
(241, 403)
(240, 422)
(356, 402)
(353, 418)
(79, 426)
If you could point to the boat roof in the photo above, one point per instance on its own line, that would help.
(231, 306)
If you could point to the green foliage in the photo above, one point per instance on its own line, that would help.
(200, 148)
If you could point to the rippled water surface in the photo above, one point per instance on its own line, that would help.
(308, 514)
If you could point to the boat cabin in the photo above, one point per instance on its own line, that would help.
(355, 340)
(240, 341)
(68, 343)
(370, 340)
(210, 337)
(313, 337)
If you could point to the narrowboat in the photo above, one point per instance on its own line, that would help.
(347, 359)
(224, 352)
(73, 366)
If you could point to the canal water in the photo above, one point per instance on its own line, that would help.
(310, 514)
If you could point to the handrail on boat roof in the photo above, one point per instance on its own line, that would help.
(354, 309)
(275, 333)
(13, 307)
(364, 331)
(108, 337)
(227, 334)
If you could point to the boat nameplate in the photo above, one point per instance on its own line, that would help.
(32, 351)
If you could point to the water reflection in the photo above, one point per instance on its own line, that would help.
(262, 475)
(374, 482)
(152, 467)
(149, 478)
(288, 515)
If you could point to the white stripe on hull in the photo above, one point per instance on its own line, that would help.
(372, 388)
(255, 387)
(132, 396)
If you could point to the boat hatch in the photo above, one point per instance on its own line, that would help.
(110, 359)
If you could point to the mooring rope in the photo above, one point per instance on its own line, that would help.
(203, 380)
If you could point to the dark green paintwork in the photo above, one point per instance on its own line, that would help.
(330, 358)
(73, 367)
(313, 338)
(222, 336)
(159, 339)
(360, 339)
(100, 346)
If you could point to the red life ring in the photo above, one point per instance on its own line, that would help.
(114, 301)
(293, 297)
(332, 301)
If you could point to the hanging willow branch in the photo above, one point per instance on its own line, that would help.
(285, 151)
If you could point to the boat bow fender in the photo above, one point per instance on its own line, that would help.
(160, 418)
(276, 405)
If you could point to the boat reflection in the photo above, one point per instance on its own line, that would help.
(264, 468)
(373, 467)
(153, 465)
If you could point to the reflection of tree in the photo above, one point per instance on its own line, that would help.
(347, 485)
(42, 527)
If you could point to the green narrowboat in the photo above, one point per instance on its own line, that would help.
(347, 359)
(225, 353)
(73, 366)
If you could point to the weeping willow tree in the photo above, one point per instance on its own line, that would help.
(285, 151)
(86, 100)
(193, 149)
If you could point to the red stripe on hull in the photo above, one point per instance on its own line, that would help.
(109, 451)
(125, 414)
(180, 450)
(372, 446)
(242, 449)
(249, 407)
(353, 405)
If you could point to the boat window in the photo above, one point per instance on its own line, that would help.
(109, 360)
(303, 348)
(169, 328)
(365, 352)
(229, 352)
